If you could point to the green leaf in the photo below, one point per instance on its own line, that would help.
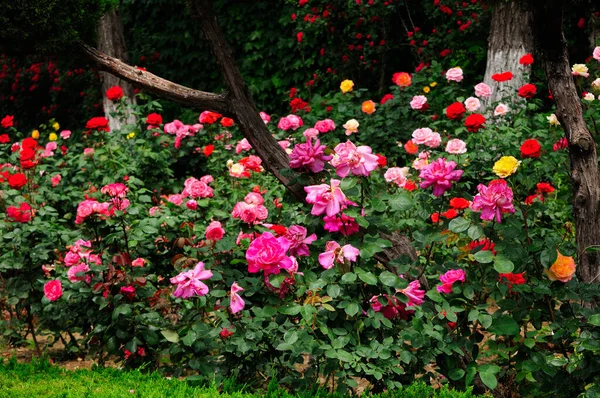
(458, 225)
(349, 277)
(368, 277)
(489, 379)
(401, 202)
(171, 335)
(456, 374)
(503, 265)
(484, 256)
(505, 325)
(123, 309)
(388, 279)
(333, 290)
(344, 356)
(290, 337)
(475, 232)
(352, 309)
(594, 320)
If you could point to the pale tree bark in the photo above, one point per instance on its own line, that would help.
(111, 41)
(552, 46)
(510, 38)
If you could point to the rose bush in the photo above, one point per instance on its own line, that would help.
(168, 244)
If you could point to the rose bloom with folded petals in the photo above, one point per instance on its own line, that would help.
(346, 86)
(7, 121)
(334, 253)
(116, 189)
(325, 126)
(410, 147)
(299, 242)
(580, 70)
(78, 269)
(208, 117)
(502, 77)
(189, 282)
(454, 74)
(493, 200)
(501, 110)
(440, 175)
(527, 91)
(472, 104)
(475, 122)
(455, 111)
(402, 79)
(268, 253)
(350, 158)
(194, 188)
(325, 198)
(456, 147)
(114, 93)
(138, 262)
(506, 166)
(53, 290)
(562, 270)
(351, 126)
(449, 278)
(17, 181)
(414, 293)
(236, 303)
(397, 175)
(596, 53)
(215, 231)
(459, 203)
(531, 148)
(419, 102)
(309, 156)
(368, 107)
(482, 90)
(153, 120)
(20, 214)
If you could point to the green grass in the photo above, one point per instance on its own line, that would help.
(40, 379)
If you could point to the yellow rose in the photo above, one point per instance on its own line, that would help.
(368, 107)
(130, 135)
(56, 126)
(52, 137)
(562, 269)
(426, 89)
(506, 166)
(553, 120)
(346, 86)
(35, 134)
(433, 84)
(351, 126)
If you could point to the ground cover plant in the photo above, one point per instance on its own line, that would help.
(426, 234)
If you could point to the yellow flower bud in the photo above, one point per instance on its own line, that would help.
(52, 137)
(35, 134)
(346, 86)
(56, 126)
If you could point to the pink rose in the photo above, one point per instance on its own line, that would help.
(65, 134)
(456, 146)
(194, 188)
(325, 126)
(88, 151)
(501, 110)
(191, 204)
(176, 199)
(266, 118)
(420, 136)
(53, 290)
(448, 279)
(138, 262)
(243, 145)
(418, 102)
(189, 282)
(396, 175)
(311, 133)
(236, 303)
(78, 269)
(472, 104)
(334, 253)
(284, 124)
(268, 253)
(454, 74)
(482, 90)
(214, 231)
(434, 140)
(596, 53)
(295, 122)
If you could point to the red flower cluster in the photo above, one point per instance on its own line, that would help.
(20, 214)
(502, 77)
(542, 188)
(208, 117)
(386, 98)
(28, 152)
(455, 111)
(298, 104)
(226, 122)
(7, 121)
(527, 91)
(99, 123)
(114, 93)
(252, 163)
(4, 139)
(475, 122)
(531, 148)
(459, 203)
(560, 144)
(512, 279)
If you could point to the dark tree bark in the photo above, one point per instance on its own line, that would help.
(510, 38)
(111, 41)
(552, 46)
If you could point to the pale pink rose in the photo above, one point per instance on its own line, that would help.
(138, 262)
(78, 269)
(456, 147)
(295, 121)
(421, 161)
(194, 128)
(482, 90)
(396, 175)
(154, 210)
(189, 282)
(454, 74)
(243, 145)
(53, 290)
(174, 127)
(236, 303)
(310, 133)
(420, 136)
(596, 53)
(88, 151)
(266, 118)
(501, 110)
(434, 140)
(65, 134)
(191, 204)
(325, 198)
(350, 158)
(472, 104)
(418, 102)
(214, 231)
(207, 179)
(334, 253)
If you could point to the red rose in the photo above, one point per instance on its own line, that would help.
(455, 111)
(208, 117)
(99, 123)
(299, 37)
(527, 91)
(502, 77)
(154, 119)
(474, 122)
(208, 150)
(20, 214)
(526, 59)
(450, 214)
(7, 121)
(529, 200)
(483, 244)
(4, 139)
(381, 160)
(226, 122)
(531, 148)
(29, 143)
(17, 181)
(410, 186)
(279, 230)
(386, 98)
(435, 217)
(459, 203)
(544, 187)
(114, 93)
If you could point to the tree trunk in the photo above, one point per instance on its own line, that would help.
(510, 38)
(552, 46)
(111, 41)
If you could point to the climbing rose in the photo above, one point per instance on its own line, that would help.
(17, 181)
(290, 122)
(78, 269)
(350, 158)
(268, 253)
(20, 214)
(53, 290)
(482, 90)
(414, 293)
(454, 74)
(189, 282)
(309, 156)
(562, 270)
(114, 93)
(214, 231)
(154, 120)
(116, 189)
(440, 174)
(475, 122)
(493, 200)
(526, 59)
(208, 117)
(334, 253)
(7, 121)
(448, 279)
(251, 210)
(194, 188)
(325, 198)
(455, 111)
(236, 302)
(527, 91)
(325, 126)
(531, 148)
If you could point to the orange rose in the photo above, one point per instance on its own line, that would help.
(562, 269)
(402, 79)
(368, 107)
